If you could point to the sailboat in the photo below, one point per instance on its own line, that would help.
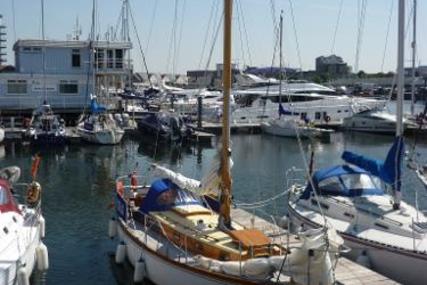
(169, 234)
(23, 228)
(383, 231)
(289, 126)
(99, 126)
(46, 128)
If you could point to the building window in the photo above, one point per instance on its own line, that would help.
(110, 59)
(75, 58)
(317, 115)
(119, 58)
(68, 87)
(17, 86)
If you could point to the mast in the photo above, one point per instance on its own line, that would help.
(43, 54)
(414, 46)
(400, 86)
(281, 58)
(225, 199)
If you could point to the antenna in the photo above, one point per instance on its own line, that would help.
(77, 32)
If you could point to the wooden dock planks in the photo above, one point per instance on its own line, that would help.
(347, 272)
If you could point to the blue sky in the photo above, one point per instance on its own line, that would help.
(315, 22)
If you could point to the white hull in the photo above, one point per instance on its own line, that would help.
(1, 134)
(106, 136)
(291, 132)
(164, 271)
(23, 254)
(400, 265)
(330, 110)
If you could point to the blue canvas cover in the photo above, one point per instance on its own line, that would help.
(338, 174)
(164, 195)
(95, 107)
(389, 170)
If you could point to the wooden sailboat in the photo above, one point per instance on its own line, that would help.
(170, 235)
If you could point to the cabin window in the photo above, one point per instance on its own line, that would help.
(75, 58)
(26, 49)
(17, 86)
(37, 49)
(68, 87)
(332, 184)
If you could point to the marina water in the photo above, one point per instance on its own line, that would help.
(78, 181)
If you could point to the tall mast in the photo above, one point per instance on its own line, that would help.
(225, 200)
(281, 57)
(43, 54)
(400, 86)
(414, 47)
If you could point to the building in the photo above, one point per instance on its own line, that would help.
(2, 41)
(209, 78)
(334, 66)
(59, 73)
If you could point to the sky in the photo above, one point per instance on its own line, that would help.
(177, 35)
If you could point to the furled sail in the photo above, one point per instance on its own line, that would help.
(177, 178)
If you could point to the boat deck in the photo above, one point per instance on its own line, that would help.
(346, 272)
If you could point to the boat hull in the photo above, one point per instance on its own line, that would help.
(162, 270)
(106, 137)
(48, 139)
(9, 268)
(398, 264)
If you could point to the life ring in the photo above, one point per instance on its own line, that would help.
(33, 193)
(327, 118)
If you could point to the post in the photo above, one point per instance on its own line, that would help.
(199, 111)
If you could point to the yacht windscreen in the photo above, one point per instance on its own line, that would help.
(4, 199)
(358, 181)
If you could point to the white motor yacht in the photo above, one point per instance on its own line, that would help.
(381, 122)
(321, 107)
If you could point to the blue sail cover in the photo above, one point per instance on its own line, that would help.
(95, 107)
(164, 195)
(389, 170)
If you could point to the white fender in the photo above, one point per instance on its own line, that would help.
(112, 228)
(120, 253)
(42, 222)
(22, 277)
(42, 257)
(140, 271)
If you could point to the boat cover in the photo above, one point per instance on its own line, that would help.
(95, 107)
(164, 195)
(389, 170)
(336, 175)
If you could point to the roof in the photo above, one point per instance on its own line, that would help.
(71, 44)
